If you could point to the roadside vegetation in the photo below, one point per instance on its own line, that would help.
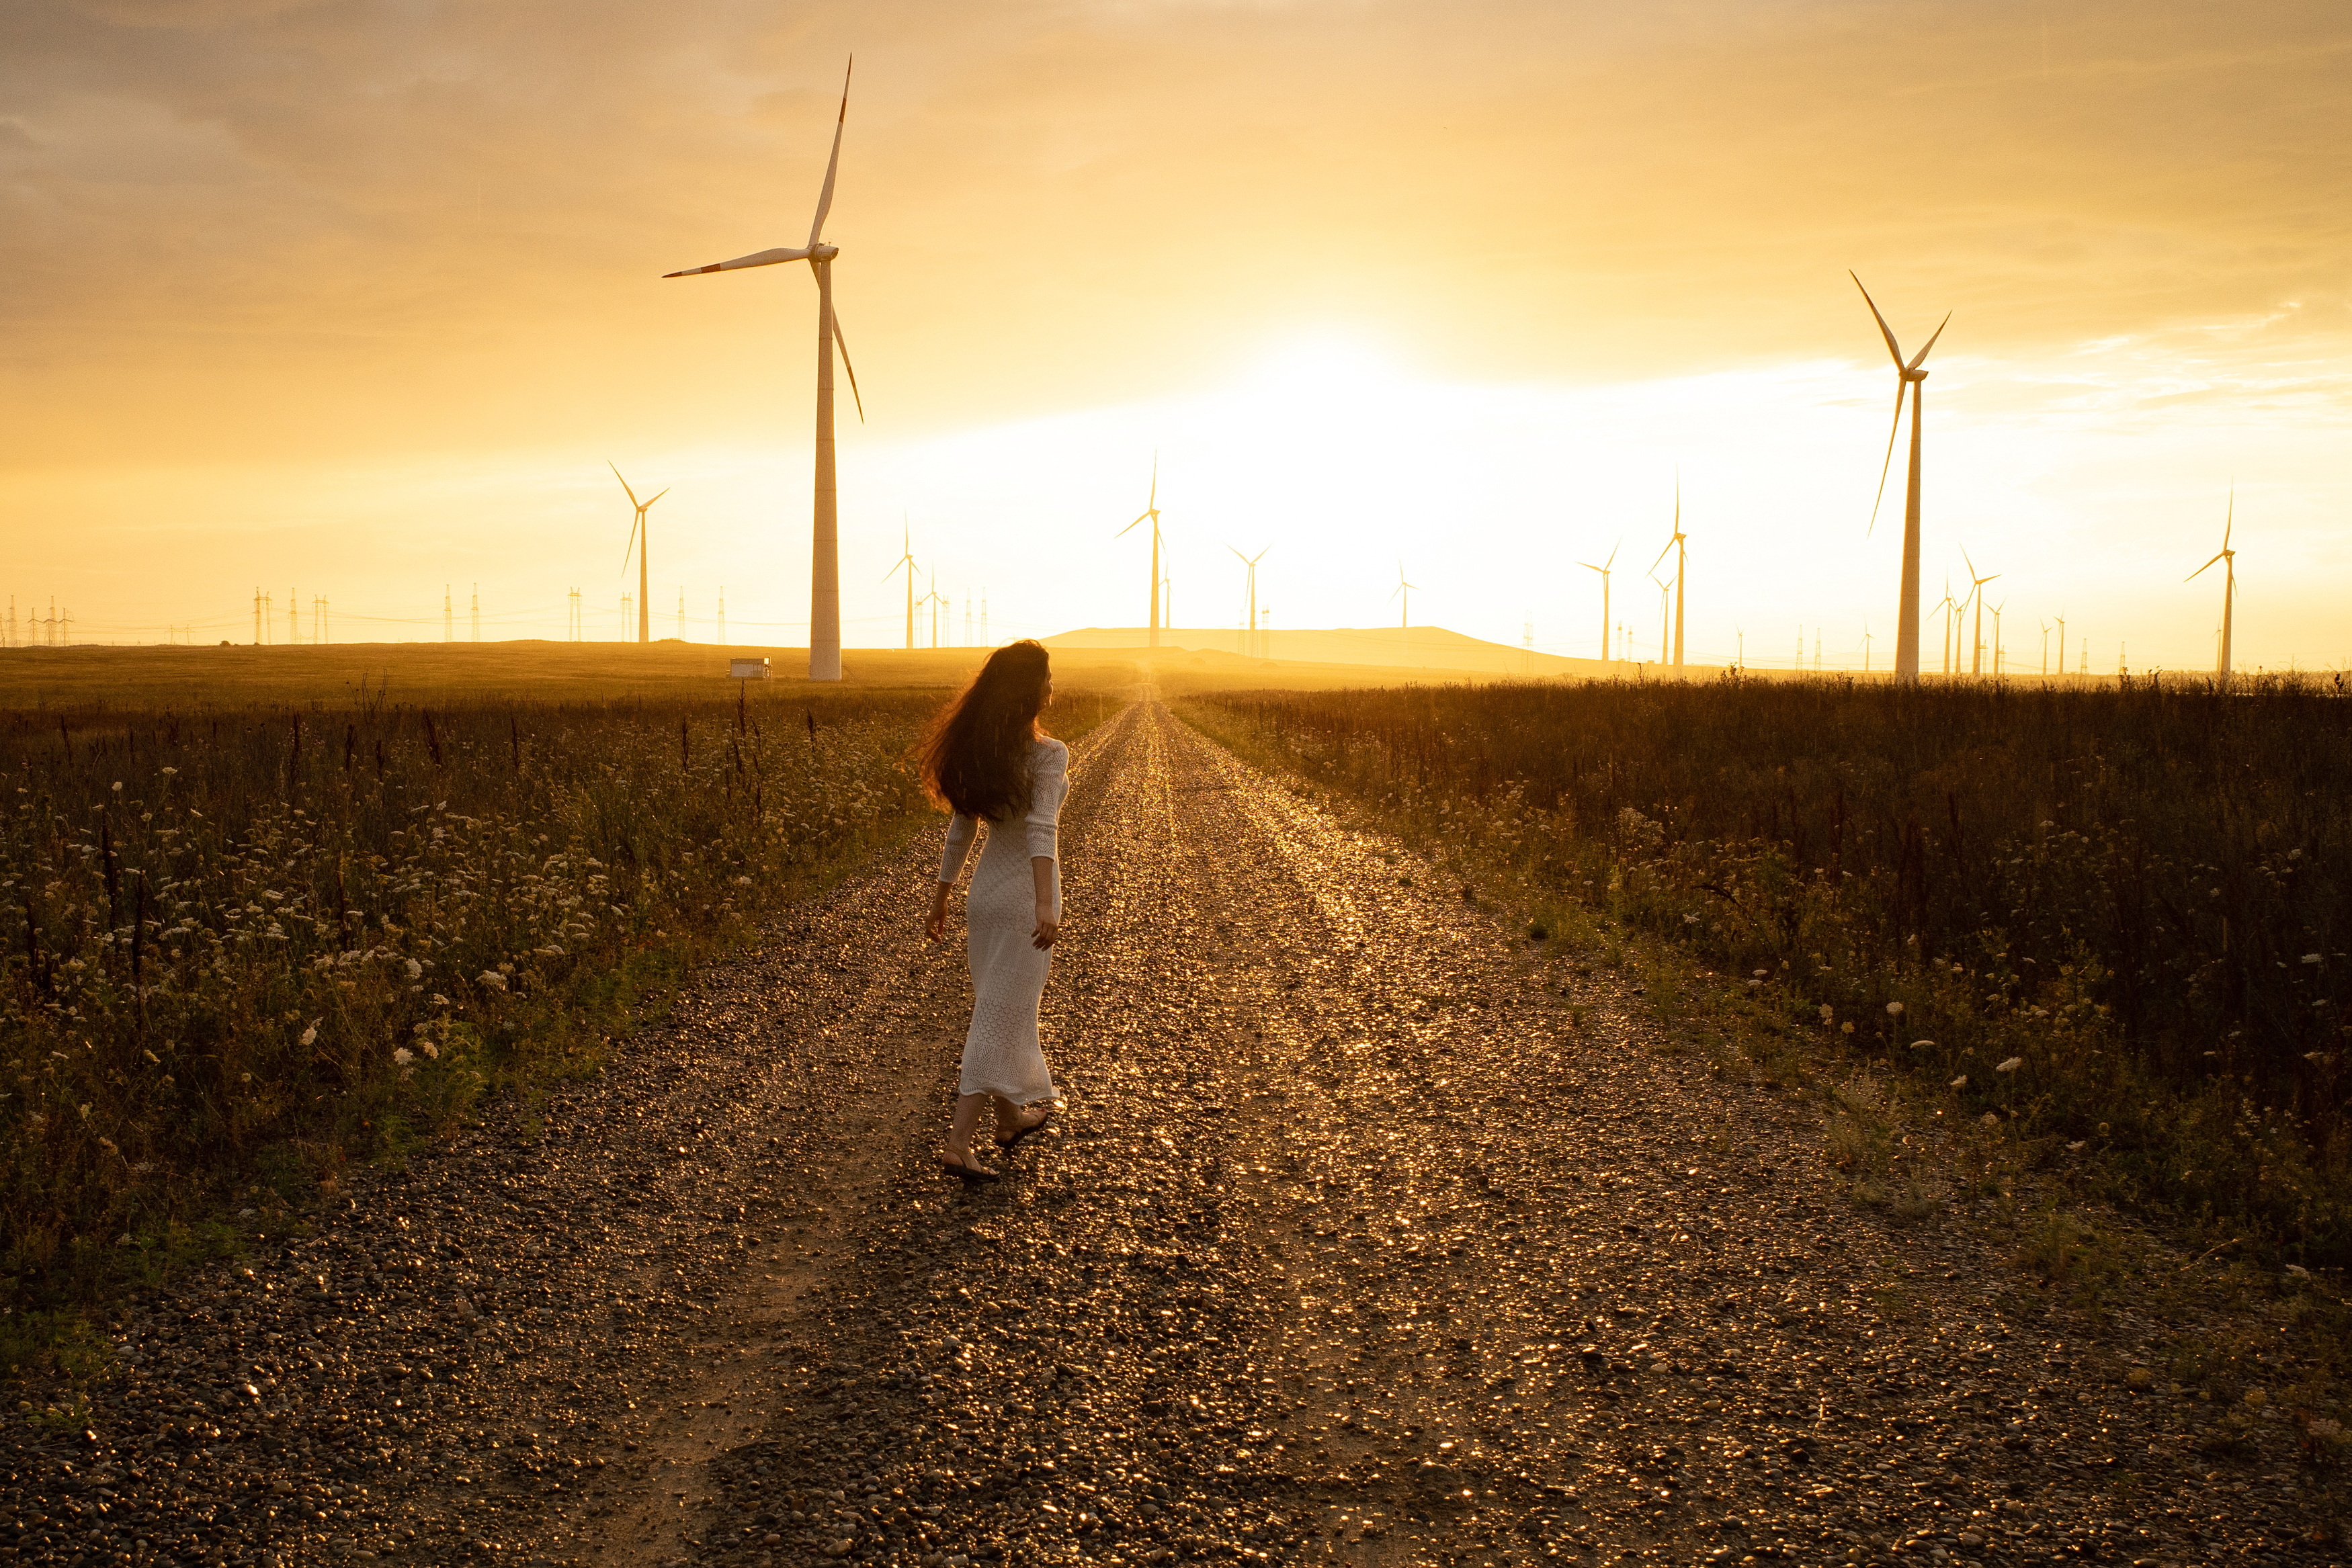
(2105, 929)
(245, 947)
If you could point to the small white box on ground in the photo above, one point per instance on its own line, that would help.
(747, 669)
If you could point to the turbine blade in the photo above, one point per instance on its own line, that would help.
(1887, 465)
(1589, 566)
(630, 548)
(1154, 500)
(842, 344)
(625, 484)
(1884, 330)
(2199, 572)
(1129, 528)
(1237, 555)
(1663, 554)
(2231, 520)
(824, 197)
(757, 258)
(1920, 357)
(1612, 554)
(656, 495)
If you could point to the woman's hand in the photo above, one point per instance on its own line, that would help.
(1048, 929)
(935, 924)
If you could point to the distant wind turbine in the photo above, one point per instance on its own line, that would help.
(1403, 589)
(906, 564)
(1908, 375)
(638, 531)
(1250, 562)
(1976, 635)
(1679, 545)
(1603, 569)
(824, 554)
(2229, 560)
(2062, 643)
(1151, 514)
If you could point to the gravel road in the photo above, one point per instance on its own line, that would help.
(1370, 1234)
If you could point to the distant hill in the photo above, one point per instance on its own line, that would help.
(1429, 648)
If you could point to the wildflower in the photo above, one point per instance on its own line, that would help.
(2298, 1271)
(746, 882)
(1990, 1119)
(2320, 1426)
(118, 786)
(402, 1056)
(1961, 1081)
(1846, 1028)
(2078, 1146)
(1895, 1010)
(1761, 974)
(2311, 958)
(1827, 1012)
(439, 1000)
(415, 970)
(1922, 1045)
(310, 1035)
(169, 772)
(429, 1049)
(491, 979)
(2012, 1065)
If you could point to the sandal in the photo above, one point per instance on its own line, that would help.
(1039, 1125)
(971, 1176)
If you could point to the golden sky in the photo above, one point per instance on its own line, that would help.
(354, 300)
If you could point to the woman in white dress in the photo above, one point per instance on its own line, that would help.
(987, 761)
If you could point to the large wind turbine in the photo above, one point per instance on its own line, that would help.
(1151, 514)
(1403, 589)
(824, 554)
(2229, 560)
(906, 564)
(638, 531)
(1603, 569)
(1907, 374)
(1250, 561)
(1679, 545)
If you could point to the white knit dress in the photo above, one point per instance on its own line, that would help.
(1000, 1055)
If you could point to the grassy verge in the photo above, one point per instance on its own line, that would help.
(245, 949)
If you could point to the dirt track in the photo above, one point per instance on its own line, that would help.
(1370, 1235)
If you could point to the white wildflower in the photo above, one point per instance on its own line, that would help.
(2311, 958)
(415, 970)
(310, 1035)
(2078, 1146)
(2012, 1065)
(2298, 1271)
(402, 1056)
(1990, 1119)
(1828, 1012)
(491, 979)
(1895, 1010)
(1961, 1081)
(429, 1049)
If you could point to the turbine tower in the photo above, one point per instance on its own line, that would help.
(824, 553)
(637, 529)
(906, 564)
(1679, 545)
(1603, 569)
(1151, 514)
(1250, 561)
(1907, 375)
(2229, 560)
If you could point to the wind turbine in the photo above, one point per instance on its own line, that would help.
(2045, 647)
(636, 530)
(2062, 643)
(1866, 646)
(1251, 561)
(934, 598)
(1996, 639)
(906, 564)
(1679, 545)
(1665, 611)
(1976, 636)
(2229, 560)
(1403, 589)
(1603, 569)
(1151, 514)
(1907, 375)
(824, 553)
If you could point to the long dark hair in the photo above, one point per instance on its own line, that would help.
(975, 756)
